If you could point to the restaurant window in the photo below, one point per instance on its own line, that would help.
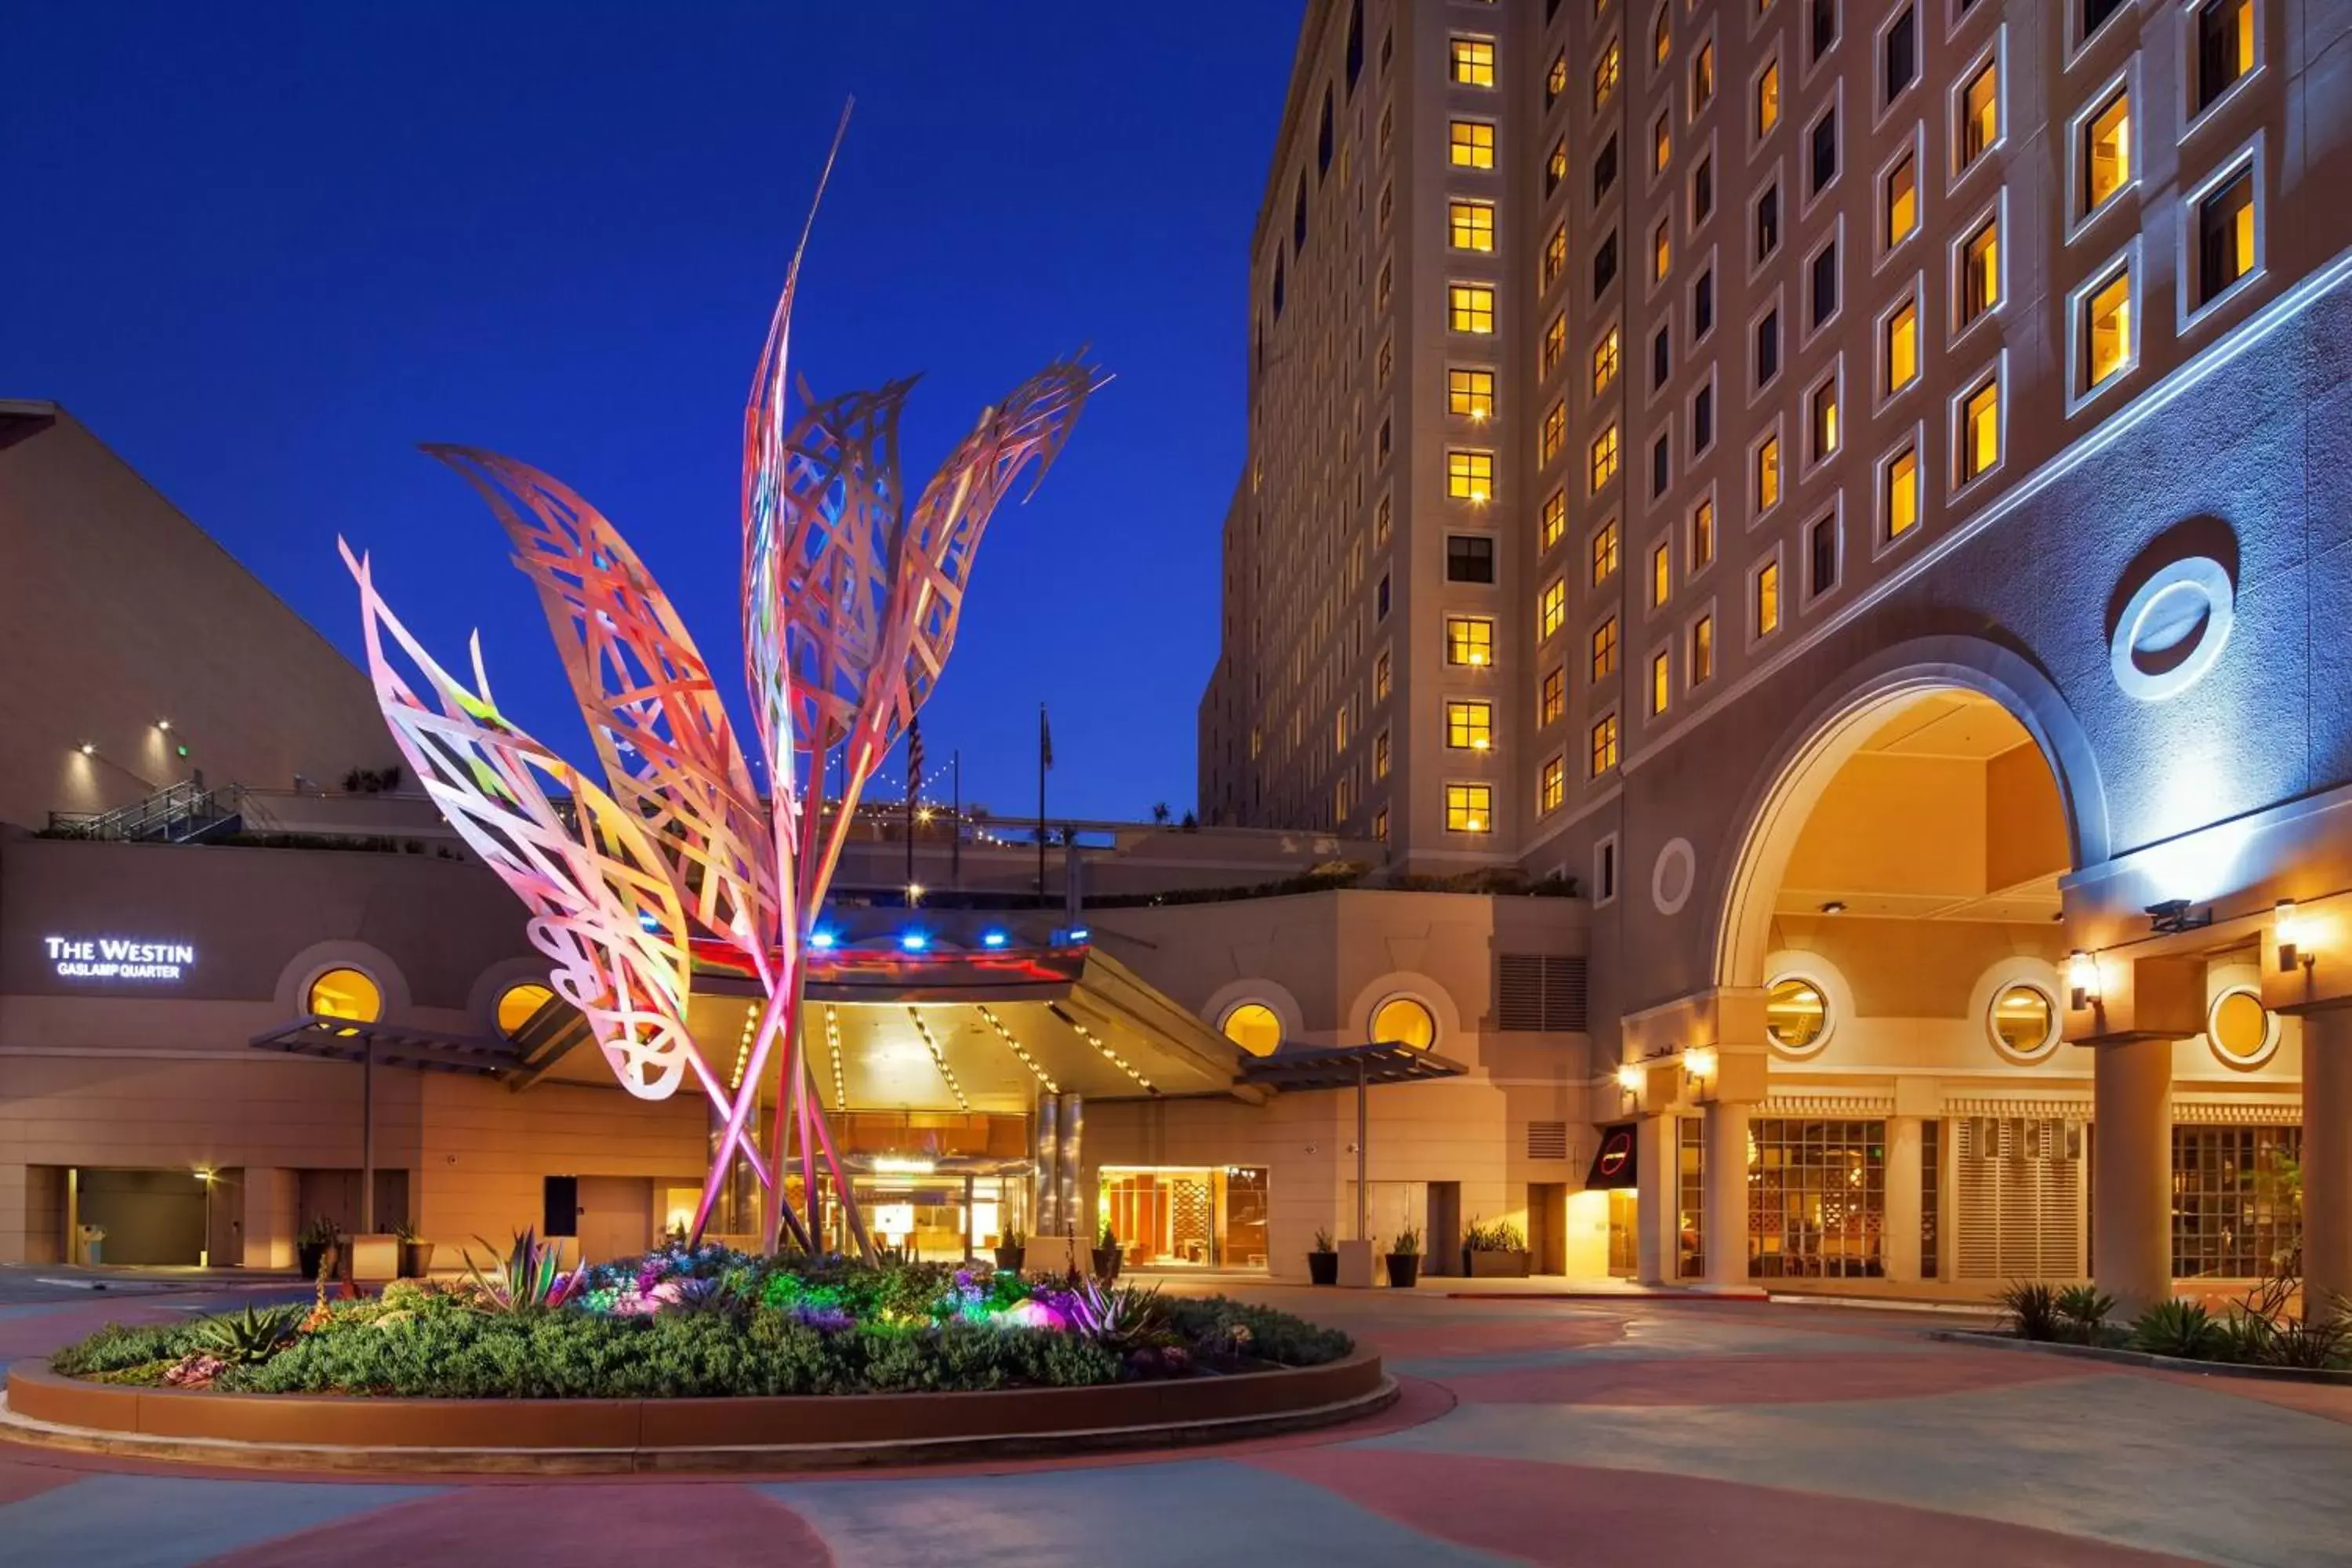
(1181, 1218)
(2237, 1211)
(1817, 1199)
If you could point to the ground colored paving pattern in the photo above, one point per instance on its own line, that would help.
(1530, 1431)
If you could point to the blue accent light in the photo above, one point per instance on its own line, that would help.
(1079, 933)
(993, 939)
(820, 939)
(914, 940)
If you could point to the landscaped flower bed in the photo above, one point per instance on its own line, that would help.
(707, 1322)
(2256, 1331)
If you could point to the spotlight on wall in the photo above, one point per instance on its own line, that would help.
(1834, 906)
(88, 748)
(1699, 1061)
(164, 725)
(2082, 979)
(2290, 936)
(1629, 1076)
(2173, 915)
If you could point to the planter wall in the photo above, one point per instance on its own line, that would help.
(1497, 1265)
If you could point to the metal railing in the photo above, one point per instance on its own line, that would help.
(178, 813)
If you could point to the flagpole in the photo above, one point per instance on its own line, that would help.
(914, 785)
(1044, 761)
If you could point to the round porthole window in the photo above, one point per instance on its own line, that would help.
(2173, 630)
(2243, 1033)
(518, 1003)
(2025, 1023)
(344, 994)
(1254, 1028)
(1403, 1021)
(1797, 1015)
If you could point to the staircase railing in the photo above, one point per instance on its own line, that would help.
(177, 813)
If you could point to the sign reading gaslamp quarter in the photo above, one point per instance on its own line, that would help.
(119, 958)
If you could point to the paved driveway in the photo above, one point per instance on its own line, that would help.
(1574, 1432)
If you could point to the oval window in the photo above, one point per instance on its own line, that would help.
(2240, 1028)
(1796, 1015)
(518, 1003)
(1254, 1028)
(2022, 1017)
(344, 994)
(1402, 1021)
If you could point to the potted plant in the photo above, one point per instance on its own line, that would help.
(1009, 1250)
(1323, 1263)
(1106, 1257)
(311, 1247)
(415, 1253)
(1498, 1251)
(1404, 1260)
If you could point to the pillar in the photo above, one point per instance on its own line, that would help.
(1655, 1157)
(2326, 1158)
(1047, 1220)
(2131, 1174)
(1724, 1235)
(1899, 1240)
(270, 1200)
(1076, 1205)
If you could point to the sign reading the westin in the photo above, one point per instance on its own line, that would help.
(119, 958)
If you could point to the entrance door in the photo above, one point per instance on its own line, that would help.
(1442, 1245)
(1624, 1233)
(1548, 1227)
(617, 1216)
(149, 1216)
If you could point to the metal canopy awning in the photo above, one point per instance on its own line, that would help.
(1347, 1067)
(341, 1040)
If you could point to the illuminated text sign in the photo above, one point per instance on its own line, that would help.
(119, 958)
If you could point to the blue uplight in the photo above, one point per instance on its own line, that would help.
(1079, 933)
(914, 940)
(993, 939)
(821, 939)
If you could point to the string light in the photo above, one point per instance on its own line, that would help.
(743, 1049)
(1099, 1043)
(832, 1043)
(938, 1057)
(1027, 1060)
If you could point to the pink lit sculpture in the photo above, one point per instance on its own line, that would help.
(851, 597)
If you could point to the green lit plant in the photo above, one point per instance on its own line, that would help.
(2081, 1311)
(1500, 1237)
(244, 1339)
(531, 1278)
(2178, 1328)
(2028, 1311)
(1407, 1243)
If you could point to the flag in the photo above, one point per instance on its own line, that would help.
(1045, 738)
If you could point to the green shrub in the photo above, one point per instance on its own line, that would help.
(2178, 1328)
(119, 1346)
(2029, 1310)
(2082, 1314)
(243, 1338)
(1207, 1324)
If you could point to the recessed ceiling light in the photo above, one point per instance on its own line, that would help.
(1834, 906)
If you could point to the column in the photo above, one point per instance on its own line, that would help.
(1655, 1157)
(1047, 1133)
(270, 1203)
(1725, 1234)
(1899, 1237)
(2131, 1175)
(2326, 1158)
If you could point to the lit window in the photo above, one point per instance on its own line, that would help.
(1604, 361)
(1554, 433)
(1551, 786)
(1339, 731)
(1702, 77)
(1254, 1028)
(1555, 343)
(1662, 36)
(344, 994)
(1556, 79)
(1604, 457)
(1604, 553)
(1979, 113)
(1662, 573)
(1470, 394)
(1796, 1015)
(1902, 483)
(1662, 250)
(1702, 535)
(1469, 808)
(1380, 522)
(1605, 744)
(1902, 200)
(2106, 151)
(1401, 1020)
(1702, 650)
(518, 1004)
(1380, 755)
(1768, 100)
(1981, 430)
(1470, 144)
(1554, 256)
(1470, 725)
(1471, 225)
(1662, 144)
(1823, 419)
(1470, 476)
(1551, 703)
(1380, 824)
(1662, 680)
(1767, 474)
(1902, 346)
(2107, 330)
(2225, 48)
(1556, 165)
(1470, 308)
(1474, 62)
(1768, 598)
(1555, 518)
(1469, 639)
(2225, 238)
(1604, 649)
(1551, 609)
(1981, 271)
(1605, 72)
(1381, 677)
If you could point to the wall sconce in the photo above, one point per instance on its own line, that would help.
(2290, 936)
(1630, 1075)
(1699, 1061)
(88, 748)
(2082, 977)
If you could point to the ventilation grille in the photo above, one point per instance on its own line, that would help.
(2020, 1198)
(1541, 992)
(1547, 1139)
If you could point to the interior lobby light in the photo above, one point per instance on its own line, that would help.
(1834, 906)
(2290, 935)
(903, 1165)
(2081, 978)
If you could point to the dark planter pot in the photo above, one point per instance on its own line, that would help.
(310, 1255)
(1497, 1265)
(1404, 1270)
(415, 1259)
(1106, 1262)
(1322, 1268)
(1008, 1260)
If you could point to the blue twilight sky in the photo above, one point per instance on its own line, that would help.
(264, 251)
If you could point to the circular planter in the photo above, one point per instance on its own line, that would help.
(339, 1432)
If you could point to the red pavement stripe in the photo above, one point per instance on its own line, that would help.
(19, 1480)
(1758, 1379)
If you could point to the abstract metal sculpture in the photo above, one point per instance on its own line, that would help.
(851, 596)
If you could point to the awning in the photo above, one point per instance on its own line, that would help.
(1617, 1162)
(341, 1040)
(1345, 1066)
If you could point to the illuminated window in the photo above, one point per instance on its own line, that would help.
(1661, 573)
(1702, 650)
(1380, 755)
(1381, 524)
(1340, 732)
(1662, 681)
(1470, 308)
(1469, 476)
(2225, 238)
(1662, 144)
(1796, 1015)
(1470, 224)
(1254, 1028)
(2107, 151)
(2107, 330)
(1469, 639)
(1556, 79)
(1470, 144)
(1402, 1021)
(1823, 418)
(1902, 487)
(1902, 346)
(1662, 250)
(1474, 62)
(1768, 598)
(1469, 725)
(1605, 744)
(1551, 785)
(1554, 256)
(1605, 72)
(1604, 553)
(1381, 677)
(1554, 433)
(1604, 649)
(517, 1004)
(1469, 808)
(1380, 824)
(1555, 343)
(1604, 361)
(1551, 607)
(2225, 48)
(344, 994)
(1981, 271)
(1767, 474)
(1555, 518)
(1768, 100)
(1979, 113)
(1552, 703)
(1470, 394)
(1556, 165)
(1980, 429)
(1604, 457)
(1702, 535)
(1902, 200)
(1662, 36)
(1702, 92)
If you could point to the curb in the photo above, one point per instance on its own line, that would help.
(2117, 1357)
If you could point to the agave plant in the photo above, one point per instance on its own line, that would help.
(2030, 1310)
(531, 1278)
(2082, 1313)
(2178, 1328)
(1120, 1318)
(242, 1339)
